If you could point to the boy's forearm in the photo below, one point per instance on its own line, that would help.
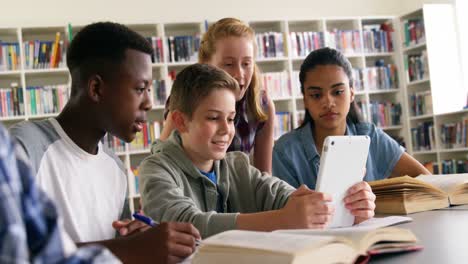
(263, 221)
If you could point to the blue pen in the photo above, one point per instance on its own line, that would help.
(147, 220)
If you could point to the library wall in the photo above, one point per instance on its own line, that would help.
(60, 12)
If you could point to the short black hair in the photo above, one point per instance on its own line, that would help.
(328, 56)
(99, 46)
(196, 82)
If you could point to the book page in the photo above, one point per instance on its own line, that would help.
(276, 242)
(354, 233)
(445, 182)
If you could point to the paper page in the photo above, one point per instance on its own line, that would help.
(373, 223)
(267, 241)
(445, 182)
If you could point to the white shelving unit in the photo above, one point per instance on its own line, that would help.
(288, 63)
(436, 44)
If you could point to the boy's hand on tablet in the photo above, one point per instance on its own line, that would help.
(308, 209)
(360, 200)
(128, 227)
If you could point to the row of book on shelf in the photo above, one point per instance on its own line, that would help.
(9, 56)
(143, 140)
(382, 114)
(421, 103)
(416, 66)
(51, 99)
(38, 100)
(413, 31)
(423, 137)
(454, 135)
(381, 77)
(45, 54)
(449, 166)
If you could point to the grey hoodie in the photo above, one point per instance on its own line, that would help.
(173, 189)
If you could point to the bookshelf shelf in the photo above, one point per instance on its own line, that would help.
(421, 117)
(415, 47)
(10, 73)
(266, 60)
(42, 116)
(12, 118)
(453, 150)
(45, 71)
(379, 54)
(384, 91)
(424, 152)
(426, 80)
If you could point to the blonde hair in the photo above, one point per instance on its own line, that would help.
(228, 27)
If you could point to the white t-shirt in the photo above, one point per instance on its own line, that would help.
(88, 190)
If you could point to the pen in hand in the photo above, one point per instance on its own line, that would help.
(147, 220)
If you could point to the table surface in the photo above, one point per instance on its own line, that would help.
(443, 233)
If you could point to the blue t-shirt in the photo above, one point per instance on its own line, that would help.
(212, 176)
(296, 160)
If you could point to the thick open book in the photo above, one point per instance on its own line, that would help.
(329, 246)
(405, 195)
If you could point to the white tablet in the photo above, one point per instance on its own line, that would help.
(342, 165)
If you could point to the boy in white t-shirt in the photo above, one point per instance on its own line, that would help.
(111, 72)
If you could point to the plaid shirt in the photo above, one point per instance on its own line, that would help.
(29, 227)
(247, 125)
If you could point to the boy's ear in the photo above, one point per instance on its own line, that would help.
(95, 88)
(180, 120)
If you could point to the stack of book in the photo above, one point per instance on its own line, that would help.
(39, 54)
(11, 101)
(9, 56)
(346, 41)
(49, 99)
(302, 43)
(270, 45)
(183, 48)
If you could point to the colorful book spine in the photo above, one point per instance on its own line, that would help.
(158, 49)
(417, 67)
(376, 78)
(413, 31)
(421, 103)
(270, 45)
(48, 99)
(11, 101)
(283, 124)
(346, 41)
(382, 114)
(302, 43)
(9, 56)
(143, 140)
(183, 48)
(114, 143)
(159, 92)
(423, 137)
(277, 84)
(44, 54)
(454, 135)
(377, 38)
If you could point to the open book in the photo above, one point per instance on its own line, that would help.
(238, 246)
(405, 195)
